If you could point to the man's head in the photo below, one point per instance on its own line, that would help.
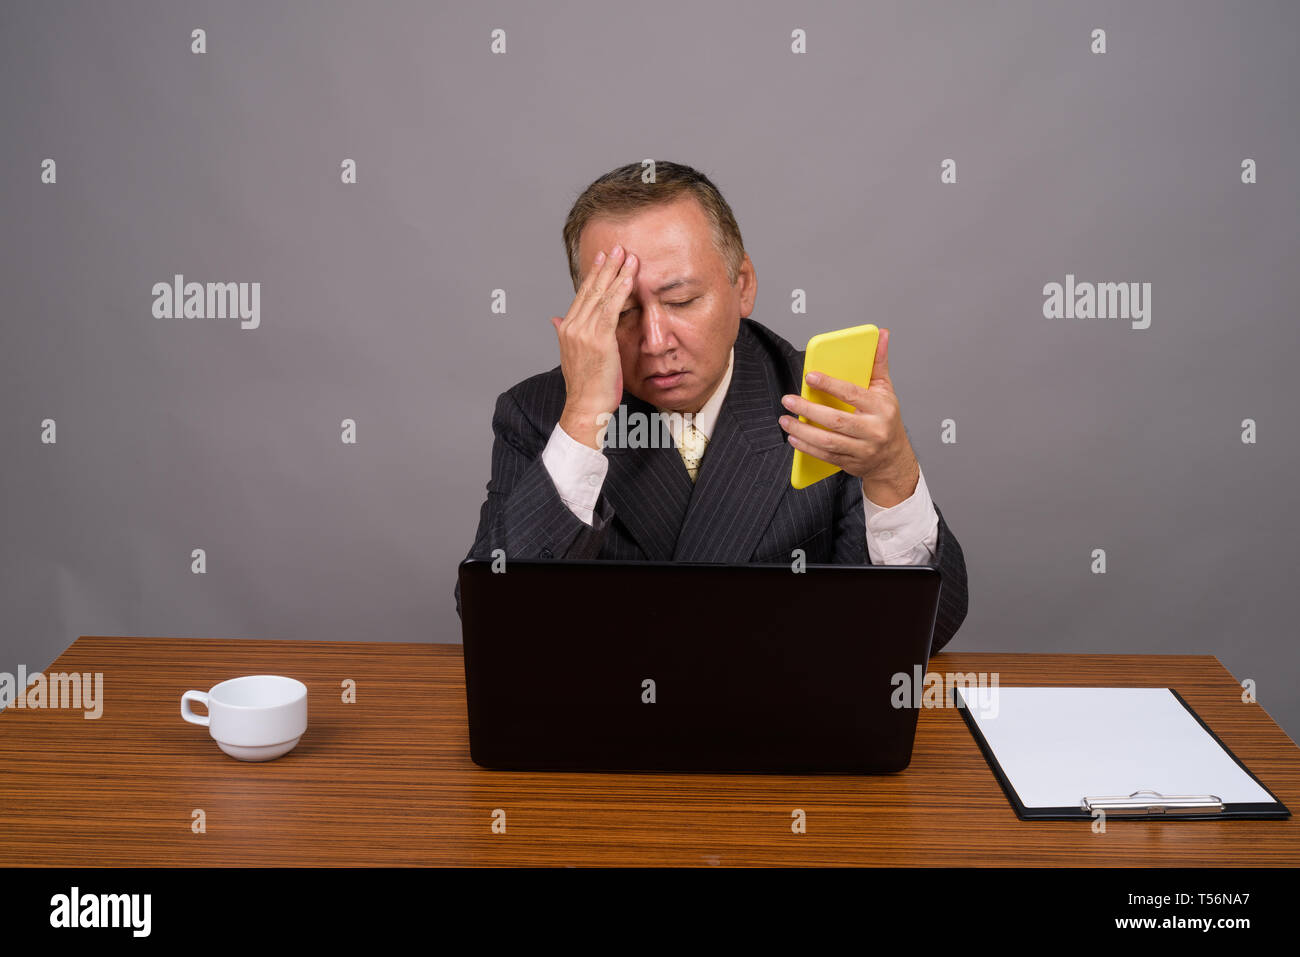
(693, 284)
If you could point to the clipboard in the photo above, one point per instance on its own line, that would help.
(1141, 802)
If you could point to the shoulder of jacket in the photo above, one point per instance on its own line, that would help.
(776, 350)
(539, 398)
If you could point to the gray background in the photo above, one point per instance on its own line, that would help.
(1072, 434)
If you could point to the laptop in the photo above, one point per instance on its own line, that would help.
(592, 665)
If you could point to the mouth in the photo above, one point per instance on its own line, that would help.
(666, 380)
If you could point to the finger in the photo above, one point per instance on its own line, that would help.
(815, 437)
(849, 392)
(834, 419)
(620, 290)
(880, 368)
(599, 291)
(588, 293)
(580, 297)
(817, 452)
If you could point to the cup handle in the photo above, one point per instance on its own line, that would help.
(187, 711)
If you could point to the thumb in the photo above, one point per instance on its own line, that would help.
(880, 368)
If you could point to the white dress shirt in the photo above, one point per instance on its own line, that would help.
(903, 534)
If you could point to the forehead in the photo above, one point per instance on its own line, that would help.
(666, 237)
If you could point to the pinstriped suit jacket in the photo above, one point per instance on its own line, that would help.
(741, 507)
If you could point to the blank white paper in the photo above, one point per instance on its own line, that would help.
(1058, 745)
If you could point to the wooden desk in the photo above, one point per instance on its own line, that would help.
(388, 780)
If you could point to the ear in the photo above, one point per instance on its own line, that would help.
(747, 284)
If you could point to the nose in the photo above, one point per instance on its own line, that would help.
(656, 335)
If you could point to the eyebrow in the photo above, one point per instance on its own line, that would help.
(674, 283)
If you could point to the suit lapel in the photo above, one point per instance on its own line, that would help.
(745, 469)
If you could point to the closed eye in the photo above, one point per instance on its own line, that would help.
(684, 302)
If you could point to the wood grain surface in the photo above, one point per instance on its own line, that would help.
(387, 780)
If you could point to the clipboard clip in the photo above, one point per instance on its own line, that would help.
(1147, 802)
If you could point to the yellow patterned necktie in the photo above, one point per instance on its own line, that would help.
(692, 449)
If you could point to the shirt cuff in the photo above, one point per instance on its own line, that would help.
(577, 470)
(903, 534)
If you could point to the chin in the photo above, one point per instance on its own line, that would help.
(675, 402)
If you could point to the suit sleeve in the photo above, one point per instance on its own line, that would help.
(952, 593)
(524, 515)
(851, 549)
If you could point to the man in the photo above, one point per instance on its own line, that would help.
(659, 327)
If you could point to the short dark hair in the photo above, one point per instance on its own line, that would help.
(623, 191)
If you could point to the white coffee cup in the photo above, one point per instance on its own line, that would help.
(253, 718)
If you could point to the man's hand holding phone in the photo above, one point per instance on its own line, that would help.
(869, 441)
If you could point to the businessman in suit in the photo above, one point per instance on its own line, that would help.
(659, 328)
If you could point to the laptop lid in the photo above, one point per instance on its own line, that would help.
(671, 666)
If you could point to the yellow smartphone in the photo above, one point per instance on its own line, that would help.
(848, 354)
